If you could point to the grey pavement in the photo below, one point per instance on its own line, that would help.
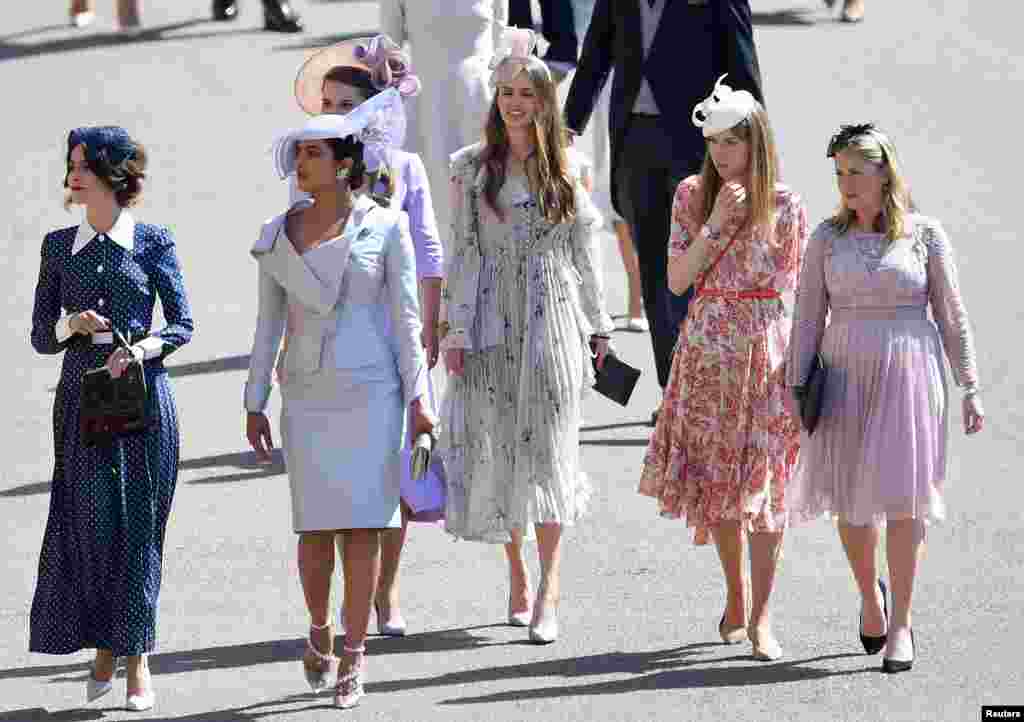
(640, 603)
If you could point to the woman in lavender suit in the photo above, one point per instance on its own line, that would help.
(878, 453)
(337, 80)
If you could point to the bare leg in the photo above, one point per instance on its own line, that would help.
(729, 542)
(905, 549)
(362, 568)
(316, 565)
(82, 6)
(139, 680)
(391, 543)
(549, 548)
(128, 13)
(519, 575)
(632, 266)
(765, 552)
(853, 10)
(861, 544)
(103, 665)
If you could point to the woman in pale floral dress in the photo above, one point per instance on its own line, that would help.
(522, 305)
(878, 454)
(726, 443)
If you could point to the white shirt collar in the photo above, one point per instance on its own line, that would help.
(122, 233)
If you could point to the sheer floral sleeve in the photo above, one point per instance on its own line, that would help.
(462, 269)
(948, 305)
(682, 228)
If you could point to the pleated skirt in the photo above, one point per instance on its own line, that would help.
(879, 451)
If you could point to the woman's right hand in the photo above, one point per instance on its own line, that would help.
(88, 322)
(455, 360)
(257, 429)
(730, 206)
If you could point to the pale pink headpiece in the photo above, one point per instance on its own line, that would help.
(513, 54)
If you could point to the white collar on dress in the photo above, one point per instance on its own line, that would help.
(122, 233)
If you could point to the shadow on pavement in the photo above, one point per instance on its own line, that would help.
(238, 460)
(322, 41)
(39, 487)
(215, 366)
(614, 442)
(38, 714)
(14, 51)
(791, 18)
(667, 669)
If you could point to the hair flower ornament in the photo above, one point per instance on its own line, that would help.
(723, 109)
(379, 124)
(513, 54)
(389, 65)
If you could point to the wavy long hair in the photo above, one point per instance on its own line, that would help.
(547, 168)
(763, 171)
(876, 147)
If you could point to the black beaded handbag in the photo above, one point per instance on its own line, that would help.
(113, 408)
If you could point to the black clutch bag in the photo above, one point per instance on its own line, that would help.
(616, 379)
(112, 408)
(814, 394)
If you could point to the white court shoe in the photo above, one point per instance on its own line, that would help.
(141, 702)
(545, 629)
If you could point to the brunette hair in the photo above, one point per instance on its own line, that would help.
(548, 168)
(362, 81)
(128, 191)
(763, 171)
(349, 147)
(875, 147)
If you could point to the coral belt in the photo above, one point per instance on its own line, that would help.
(735, 294)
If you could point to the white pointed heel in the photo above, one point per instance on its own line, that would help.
(518, 619)
(392, 627)
(545, 629)
(141, 702)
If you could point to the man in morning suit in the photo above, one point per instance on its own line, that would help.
(666, 55)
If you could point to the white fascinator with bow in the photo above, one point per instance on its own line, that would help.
(723, 109)
(379, 124)
(513, 54)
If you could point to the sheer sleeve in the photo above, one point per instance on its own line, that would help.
(681, 228)
(948, 305)
(462, 270)
(791, 237)
(586, 256)
(810, 309)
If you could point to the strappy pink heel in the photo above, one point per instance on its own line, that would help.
(318, 676)
(349, 688)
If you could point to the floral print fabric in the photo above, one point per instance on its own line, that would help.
(726, 443)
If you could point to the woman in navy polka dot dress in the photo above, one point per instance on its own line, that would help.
(100, 565)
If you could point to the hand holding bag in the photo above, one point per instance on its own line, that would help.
(424, 486)
(113, 408)
(616, 379)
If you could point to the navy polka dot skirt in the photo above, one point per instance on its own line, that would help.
(100, 565)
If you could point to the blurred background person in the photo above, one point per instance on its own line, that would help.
(83, 12)
(451, 44)
(278, 15)
(559, 28)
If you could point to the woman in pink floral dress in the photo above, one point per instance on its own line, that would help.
(727, 440)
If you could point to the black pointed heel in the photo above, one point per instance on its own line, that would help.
(224, 10)
(895, 666)
(280, 17)
(874, 645)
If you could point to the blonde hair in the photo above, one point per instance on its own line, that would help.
(763, 171)
(547, 168)
(876, 147)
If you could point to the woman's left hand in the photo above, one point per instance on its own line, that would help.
(600, 348)
(974, 414)
(422, 422)
(431, 343)
(118, 361)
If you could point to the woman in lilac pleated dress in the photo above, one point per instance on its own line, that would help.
(878, 454)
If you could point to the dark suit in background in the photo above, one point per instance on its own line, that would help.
(695, 42)
(557, 23)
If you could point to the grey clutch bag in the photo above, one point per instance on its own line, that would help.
(419, 460)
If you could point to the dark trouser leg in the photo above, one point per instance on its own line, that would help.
(645, 186)
(520, 14)
(560, 31)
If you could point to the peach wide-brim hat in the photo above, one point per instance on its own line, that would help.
(309, 82)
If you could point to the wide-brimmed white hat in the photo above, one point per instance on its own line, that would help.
(379, 124)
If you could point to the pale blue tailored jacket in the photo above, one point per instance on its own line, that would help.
(351, 306)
